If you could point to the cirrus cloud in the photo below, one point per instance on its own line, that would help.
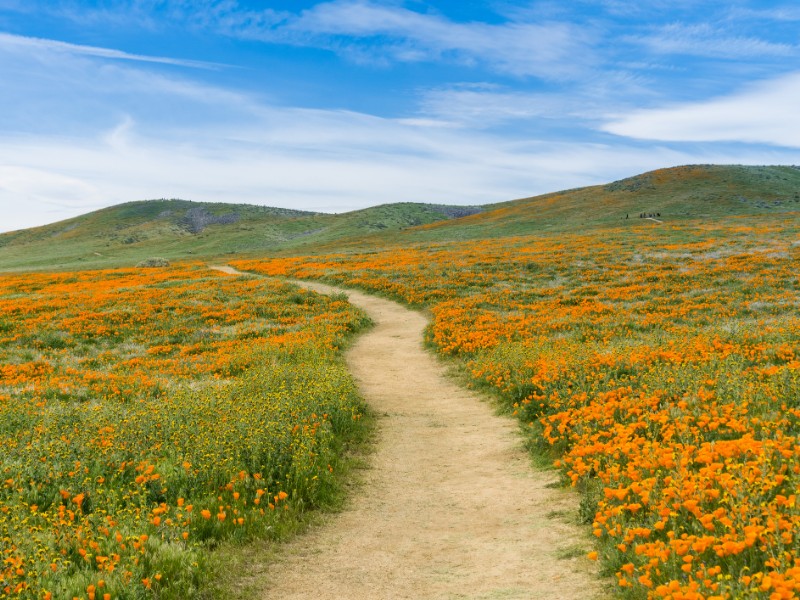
(763, 113)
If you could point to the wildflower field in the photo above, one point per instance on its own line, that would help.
(661, 365)
(148, 414)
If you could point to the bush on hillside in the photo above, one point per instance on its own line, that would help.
(153, 262)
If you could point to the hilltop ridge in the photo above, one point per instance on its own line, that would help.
(182, 230)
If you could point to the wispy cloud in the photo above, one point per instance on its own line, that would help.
(484, 106)
(783, 14)
(628, 9)
(71, 93)
(550, 49)
(487, 105)
(43, 188)
(147, 15)
(260, 152)
(702, 39)
(765, 112)
(310, 159)
(83, 127)
(367, 31)
(14, 5)
(10, 41)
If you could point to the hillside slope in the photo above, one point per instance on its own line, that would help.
(695, 192)
(179, 229)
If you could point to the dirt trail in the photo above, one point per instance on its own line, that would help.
(450, 508)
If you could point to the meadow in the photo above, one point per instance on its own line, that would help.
(659, 364)
(147, 415)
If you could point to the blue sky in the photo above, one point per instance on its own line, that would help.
(342, 104)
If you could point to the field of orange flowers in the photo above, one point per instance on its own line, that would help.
(146, 414)
(660, 363)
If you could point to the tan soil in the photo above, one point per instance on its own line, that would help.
(451, 506)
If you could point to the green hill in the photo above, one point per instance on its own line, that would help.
(179, 229)
(679, 194)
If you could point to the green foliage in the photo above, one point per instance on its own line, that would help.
(128, 459)
(153, 262)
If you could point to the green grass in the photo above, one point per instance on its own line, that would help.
(179, 230)
(158, 408)
(237, 571)
(129, 233)
(681, 194)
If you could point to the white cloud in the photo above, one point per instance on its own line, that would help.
(63, 93)
(762, 113)
(32, 196)
(318, 160)
(367, 31)
(482, 107)
(626, 8)
(9, 41)
(119, 137)
(704, 40)
(324, 160)
(79, 131)
(370, 31)
(786, 13)
(13, 5)
(571, 106)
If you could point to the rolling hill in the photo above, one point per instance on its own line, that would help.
(679, 194)
(180, 229)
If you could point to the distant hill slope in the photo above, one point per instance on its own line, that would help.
(179, 229)
(670, 195)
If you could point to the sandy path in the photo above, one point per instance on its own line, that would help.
(450, 508)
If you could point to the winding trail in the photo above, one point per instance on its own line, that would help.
(450, 506)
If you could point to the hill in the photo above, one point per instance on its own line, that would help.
(179, 229)
(679, 194)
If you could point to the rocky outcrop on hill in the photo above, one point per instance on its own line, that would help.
(197, 219)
